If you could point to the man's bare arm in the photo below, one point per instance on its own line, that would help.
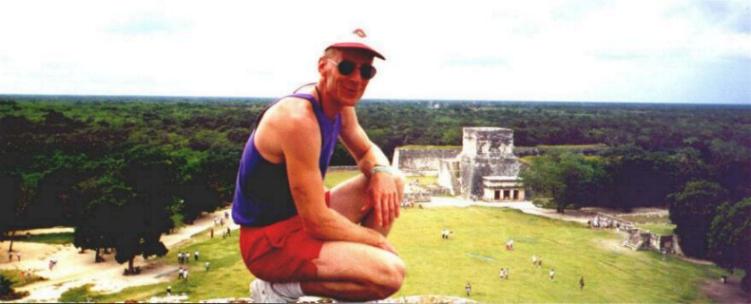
(301, 143)
(385, 190)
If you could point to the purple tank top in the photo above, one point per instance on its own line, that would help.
(262, 195)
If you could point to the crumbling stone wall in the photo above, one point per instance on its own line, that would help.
(448, 176)
(422, 161)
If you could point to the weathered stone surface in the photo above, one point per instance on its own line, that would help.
(486, 152)
(488, 142)
(422, 162)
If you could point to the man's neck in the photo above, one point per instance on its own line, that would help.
(329, 106)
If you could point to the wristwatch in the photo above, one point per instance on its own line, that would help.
(385, 169)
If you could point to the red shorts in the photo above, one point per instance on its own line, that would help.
(280, 252)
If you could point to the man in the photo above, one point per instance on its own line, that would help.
(445, 233)
(297, 238)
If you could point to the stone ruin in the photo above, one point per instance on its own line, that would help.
(487, 166)
(645, 240)
(425, 161)
(637, 239)
(484, 168)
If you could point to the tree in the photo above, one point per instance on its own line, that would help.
(731, 167)
(6, 290)
(198, 197)
(10, 192)
(95, 230)
(729, 238)
(152, 175)
(52, 205)
(639, 177)
(98, 199)
(6, 287)
(692, 211)
(566, 178)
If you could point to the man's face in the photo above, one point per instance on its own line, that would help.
(345, 89)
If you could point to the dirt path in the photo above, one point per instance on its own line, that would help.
(730, 292)
(74, 269)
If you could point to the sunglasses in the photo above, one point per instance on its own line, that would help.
(346, 67)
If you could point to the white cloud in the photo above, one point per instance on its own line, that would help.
(553, 50)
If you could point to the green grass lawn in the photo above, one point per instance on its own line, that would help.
(475, 253)
(658, 228)
(659, 225)
(79, 294)
(58, 238)
(424, 180)
(334, 177)
(18, 280)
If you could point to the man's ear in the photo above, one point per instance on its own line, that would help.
(321, 65)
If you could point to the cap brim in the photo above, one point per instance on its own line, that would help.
(356, 45)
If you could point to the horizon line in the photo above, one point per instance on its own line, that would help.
(746, 103)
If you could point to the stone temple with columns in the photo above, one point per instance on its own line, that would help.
(484, 168)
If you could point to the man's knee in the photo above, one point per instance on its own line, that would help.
(392, 278)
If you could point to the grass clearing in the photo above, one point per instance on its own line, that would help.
(424, 180)
(334, 177)
(657, 228)
(645, 219)
(18, 279)
(226, 277)
(57, 238)
(475, 252)
(79, 294)
(659, 225)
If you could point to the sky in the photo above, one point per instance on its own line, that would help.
(620, 50)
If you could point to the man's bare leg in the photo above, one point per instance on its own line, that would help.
(353, 271)
(348, 198)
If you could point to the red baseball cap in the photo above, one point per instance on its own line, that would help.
(356, 40)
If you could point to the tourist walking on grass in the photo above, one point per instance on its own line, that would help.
(336, 244)
(581, 283)
(468, 288)
(551, 274)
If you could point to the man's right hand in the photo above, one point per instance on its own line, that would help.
(385, 192)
